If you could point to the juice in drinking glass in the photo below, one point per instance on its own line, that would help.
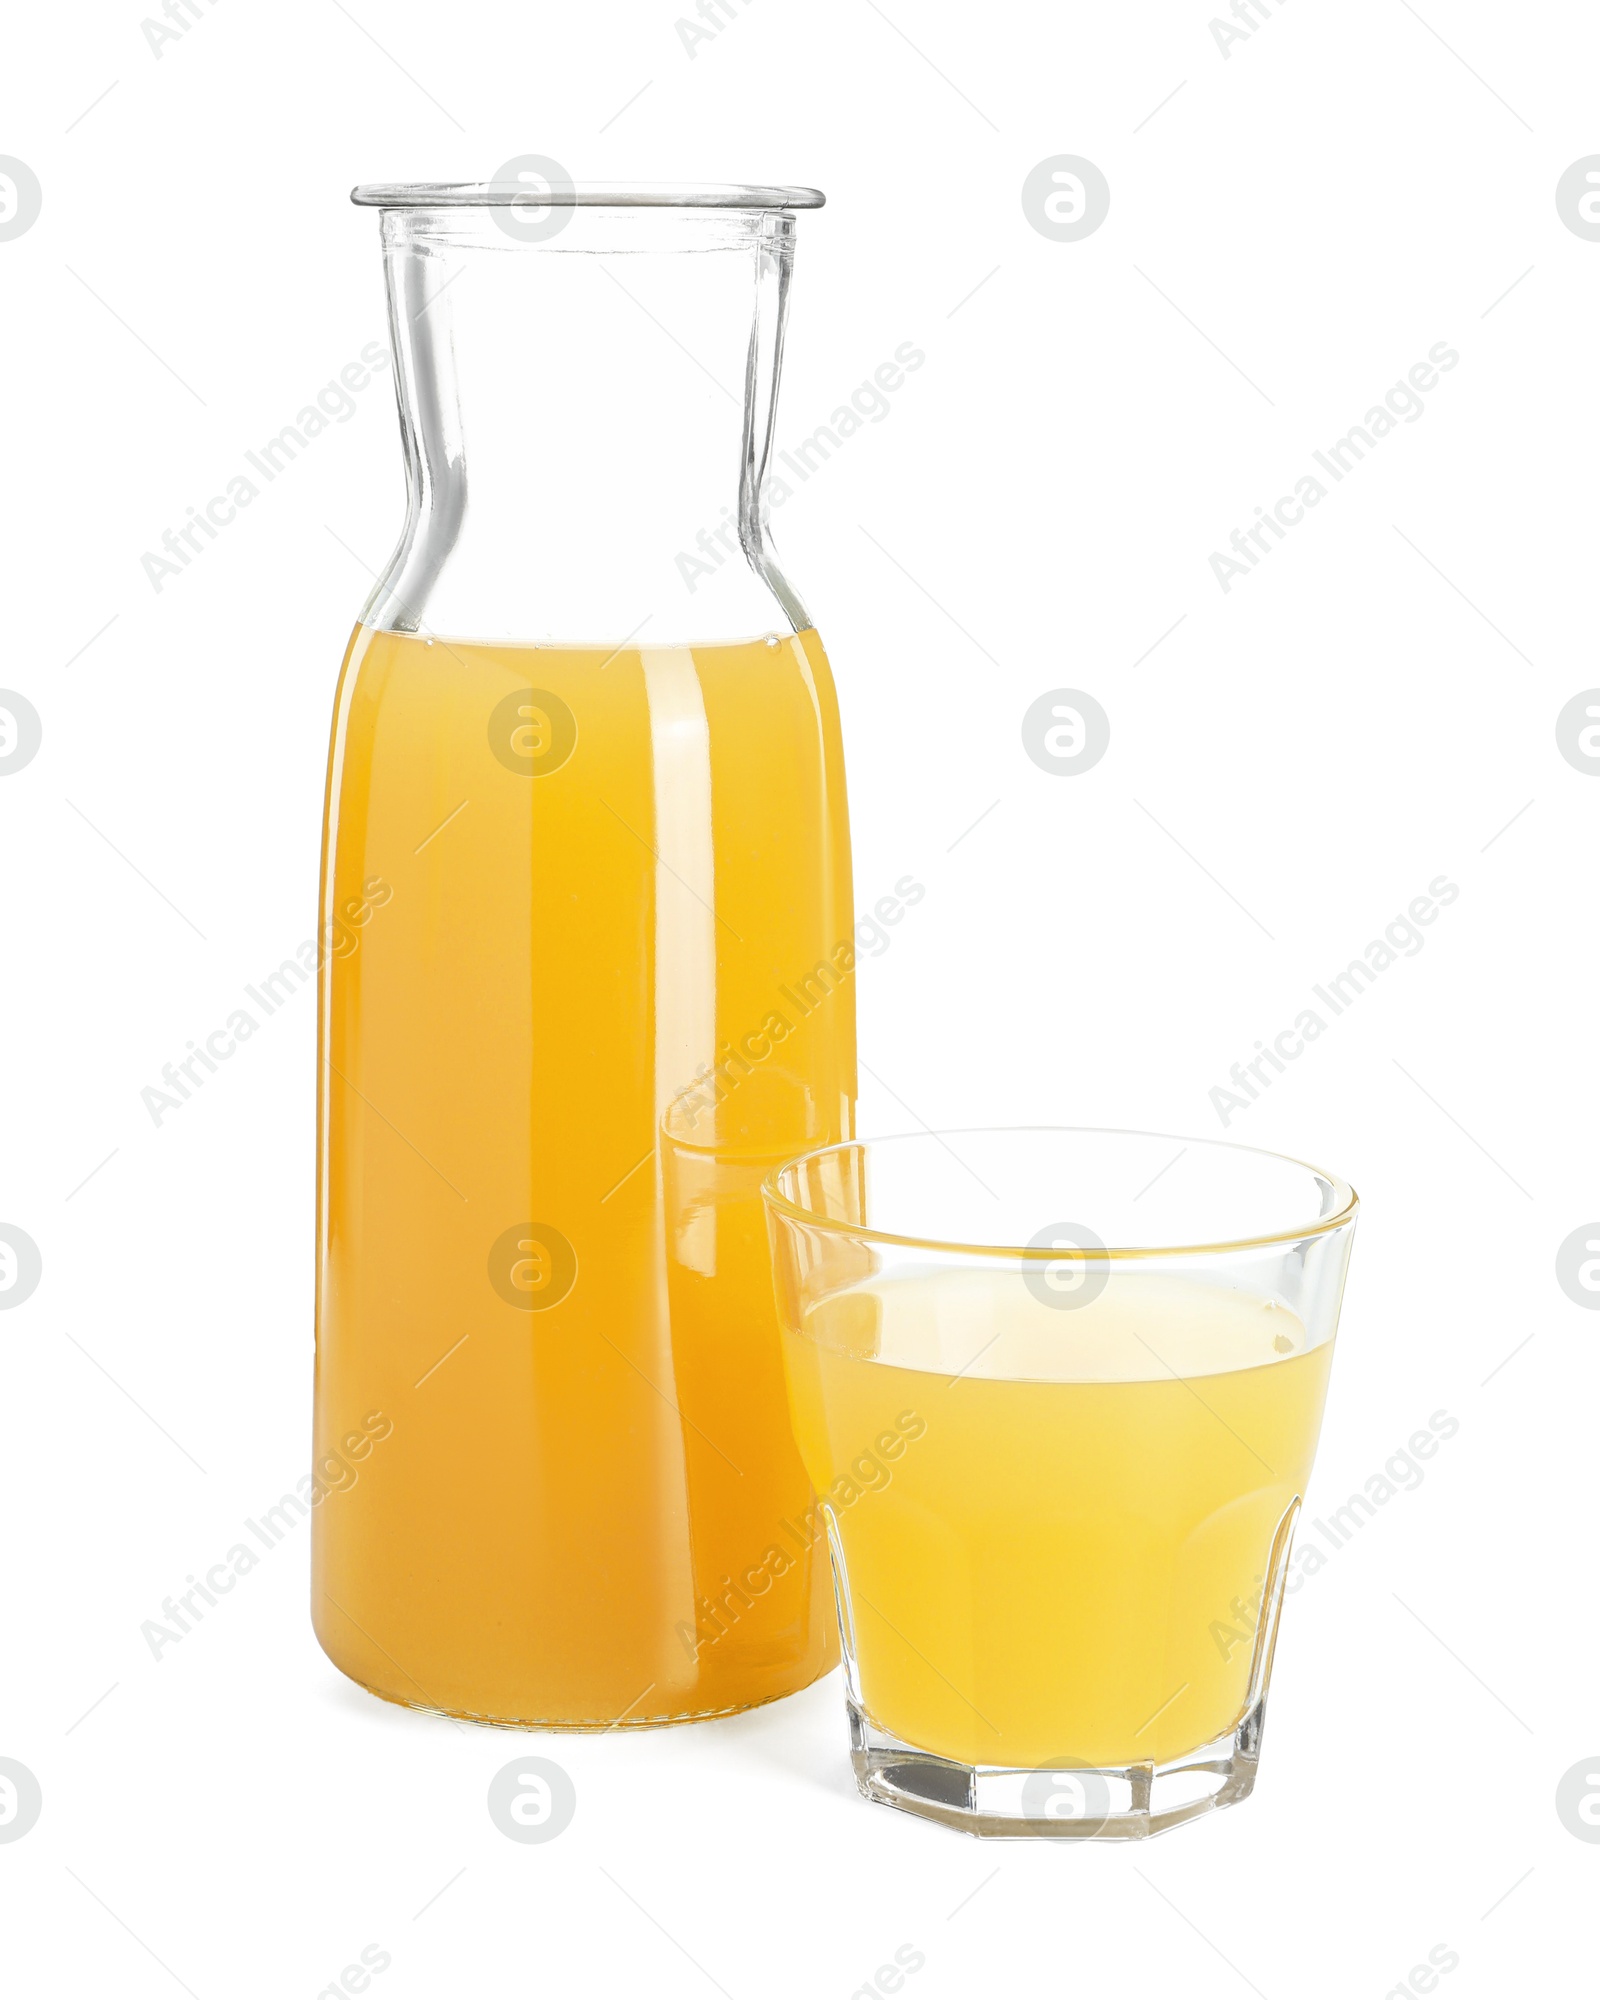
(1058, 1467)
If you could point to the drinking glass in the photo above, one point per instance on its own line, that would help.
(1058, 1393)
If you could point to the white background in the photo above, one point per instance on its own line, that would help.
(1290, 765)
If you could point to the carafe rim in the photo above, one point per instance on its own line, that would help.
(583, 194)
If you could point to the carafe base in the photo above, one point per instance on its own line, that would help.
(600, 1727)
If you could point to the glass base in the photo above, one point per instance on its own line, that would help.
(1061, 1802)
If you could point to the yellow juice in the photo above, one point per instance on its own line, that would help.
(1055, 1524)
(603, 879)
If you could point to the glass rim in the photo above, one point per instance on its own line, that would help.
(582, 194)
(1347, 1203)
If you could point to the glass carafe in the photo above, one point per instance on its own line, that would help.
(586, 878)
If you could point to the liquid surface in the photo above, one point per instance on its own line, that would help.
(602, 875)
(1056, 1554)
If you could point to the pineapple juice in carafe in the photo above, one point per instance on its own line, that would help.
(589, 827)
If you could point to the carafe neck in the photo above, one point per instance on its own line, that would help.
(586, 422)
